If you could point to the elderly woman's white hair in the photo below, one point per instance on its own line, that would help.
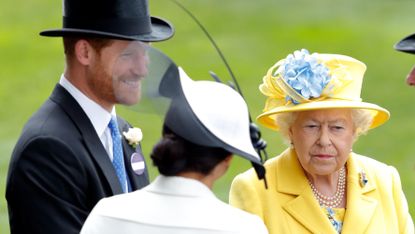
(362, 120)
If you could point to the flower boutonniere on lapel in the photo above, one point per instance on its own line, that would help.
(133, 136)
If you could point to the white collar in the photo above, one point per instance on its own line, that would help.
(180, 186)
(98, 116)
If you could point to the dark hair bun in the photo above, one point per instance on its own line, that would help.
(168, 155)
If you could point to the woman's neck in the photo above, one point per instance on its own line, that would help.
(329, 190)
(208, 179)
(326, 184)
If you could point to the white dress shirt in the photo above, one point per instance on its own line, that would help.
(170, 205)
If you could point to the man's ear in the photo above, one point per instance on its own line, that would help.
(83, 52)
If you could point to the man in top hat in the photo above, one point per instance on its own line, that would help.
(408, 45)
(72, 152)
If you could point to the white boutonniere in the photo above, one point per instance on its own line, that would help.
(133, 136)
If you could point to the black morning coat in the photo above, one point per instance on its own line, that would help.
(59, 169)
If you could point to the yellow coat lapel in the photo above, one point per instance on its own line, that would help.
(304, 207)
(360, 206)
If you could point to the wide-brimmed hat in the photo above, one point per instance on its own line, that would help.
(303, 82)
(117, 19)
(407, 44)
(203, 112)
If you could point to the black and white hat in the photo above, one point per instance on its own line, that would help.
(211, 114)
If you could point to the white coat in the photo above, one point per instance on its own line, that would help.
(170, 205)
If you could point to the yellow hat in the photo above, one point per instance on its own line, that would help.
(304, 82)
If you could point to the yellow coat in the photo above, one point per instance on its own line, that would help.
(289, 206)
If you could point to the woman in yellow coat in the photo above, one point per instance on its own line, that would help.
(319, 185)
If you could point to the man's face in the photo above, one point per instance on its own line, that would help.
(116, 72)
(410, 79)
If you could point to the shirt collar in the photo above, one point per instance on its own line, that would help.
(98, 116)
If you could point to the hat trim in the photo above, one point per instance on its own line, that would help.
(161, 30)
(268, 118)
(123, 26)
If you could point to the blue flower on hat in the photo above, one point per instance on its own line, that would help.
(304, 74)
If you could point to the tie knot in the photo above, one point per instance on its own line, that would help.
(113, 126)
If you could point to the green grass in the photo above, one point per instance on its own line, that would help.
(253, 35)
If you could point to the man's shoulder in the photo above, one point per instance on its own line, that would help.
(50, 118)
(49, 123)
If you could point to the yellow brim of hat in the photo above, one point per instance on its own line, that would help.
(380, 115)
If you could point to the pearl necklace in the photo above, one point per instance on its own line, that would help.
(332, 201)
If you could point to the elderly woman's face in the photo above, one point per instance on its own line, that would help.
(323, 139)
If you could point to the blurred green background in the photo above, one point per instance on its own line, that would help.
(253, 35)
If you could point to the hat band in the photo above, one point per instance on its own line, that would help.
(124, 26)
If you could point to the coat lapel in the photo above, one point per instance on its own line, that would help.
(304, 208)
(136, 181)
(360, 206)
(90, 138)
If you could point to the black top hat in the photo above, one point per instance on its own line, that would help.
(118, 19)
(407, 44)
